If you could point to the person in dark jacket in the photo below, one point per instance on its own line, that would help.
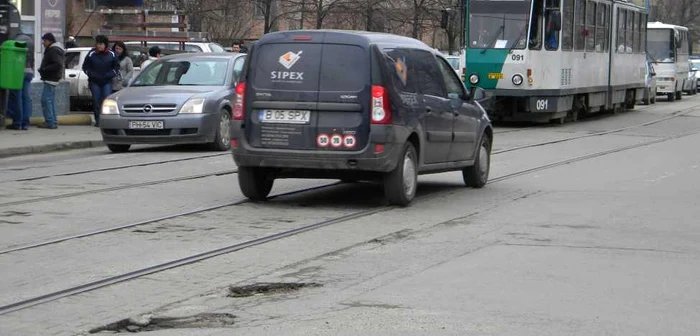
(100, 65)
(51, 71)
(20, 103)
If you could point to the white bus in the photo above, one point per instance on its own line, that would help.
(668, 47)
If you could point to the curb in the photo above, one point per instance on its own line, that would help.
(16, 151)
(65, 120)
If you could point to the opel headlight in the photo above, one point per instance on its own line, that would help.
(193, 106)
(109, 106)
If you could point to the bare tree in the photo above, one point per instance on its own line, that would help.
(679, 12)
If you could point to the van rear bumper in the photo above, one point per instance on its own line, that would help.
(392, 137)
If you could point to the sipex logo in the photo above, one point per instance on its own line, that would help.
(289, 59)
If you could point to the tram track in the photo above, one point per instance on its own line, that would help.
(94, 285)
(506, 131)
(676, 114)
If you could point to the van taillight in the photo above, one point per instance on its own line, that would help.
(381, 113)
(238, 111)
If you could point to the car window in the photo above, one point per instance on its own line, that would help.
(215, 47)
(287, 67)
(404, 76)
(190, 73)
(72, 61)
(191, 48)
(453, 85)
(348, 70)
(431, 81)
(238, 68)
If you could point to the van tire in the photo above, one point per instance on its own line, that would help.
(671, 97)
(222, 138)
(477, 176)
(400, 189)
(255, 184)
(115, 148)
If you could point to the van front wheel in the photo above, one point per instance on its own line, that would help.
(400, 184)
(255, 184)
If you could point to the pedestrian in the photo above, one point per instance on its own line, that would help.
(51, 71)
(126, 67)
(20, 103)
(236, 47)
(101, 65)
(154, 53)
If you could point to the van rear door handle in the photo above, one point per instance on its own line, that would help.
(429, 109)
(73, 76)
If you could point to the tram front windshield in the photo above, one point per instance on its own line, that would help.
(660, 45)
(498, 24)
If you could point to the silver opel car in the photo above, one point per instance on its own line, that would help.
(179, 99)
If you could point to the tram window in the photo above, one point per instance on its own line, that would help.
(630, 32)
(567, 37)
(579, 26)
(643, 33)
(536, 26)
(590, 26)
(635, 32)
(552, 24)
(600, 38)
(620, 43)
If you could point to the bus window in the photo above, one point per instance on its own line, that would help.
(660, 45)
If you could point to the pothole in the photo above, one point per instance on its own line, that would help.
(268, 288)
(132, 325)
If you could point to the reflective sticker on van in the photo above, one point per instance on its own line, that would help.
(349, 141)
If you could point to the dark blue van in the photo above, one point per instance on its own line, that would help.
(354, 106)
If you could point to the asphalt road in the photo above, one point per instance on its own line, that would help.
(596, 234)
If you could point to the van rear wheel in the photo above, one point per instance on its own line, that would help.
(477, 175)
(254, 183)
(400, 184)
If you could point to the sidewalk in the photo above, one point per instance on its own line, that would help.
(37, 140)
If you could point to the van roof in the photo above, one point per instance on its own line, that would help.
(347, 36)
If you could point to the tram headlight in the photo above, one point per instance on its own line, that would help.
(517, 79)
(474, 79)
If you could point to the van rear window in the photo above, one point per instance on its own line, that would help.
(308, 67)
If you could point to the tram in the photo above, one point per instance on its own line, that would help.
(553, 60)
(668, 47)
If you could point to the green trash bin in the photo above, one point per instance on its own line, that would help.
(13, 56)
